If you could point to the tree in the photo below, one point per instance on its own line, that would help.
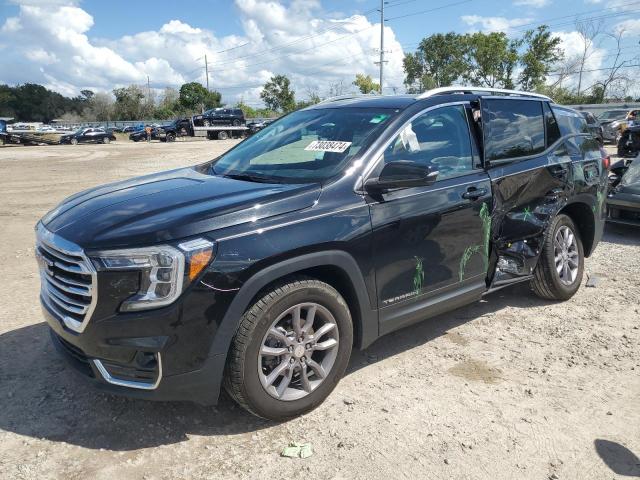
(366, 84)
(277, 94)
(128, 104)
(589, 31)
(490, 59)
(99, 107)
(193, 96)
(437, 62)
(614, 77)
(542, 52)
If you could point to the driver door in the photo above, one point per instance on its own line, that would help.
(430, 244)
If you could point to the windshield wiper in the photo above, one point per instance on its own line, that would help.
(251, 177)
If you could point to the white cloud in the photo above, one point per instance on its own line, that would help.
(495, 24)
(573, 45)
(623, 5)
(630, 28)
(51, 40)
(532, 3)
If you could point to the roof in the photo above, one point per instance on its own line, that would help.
(369, 101)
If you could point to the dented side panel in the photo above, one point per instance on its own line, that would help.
(527, 196)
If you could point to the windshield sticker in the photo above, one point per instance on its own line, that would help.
(379, 118)
(328, 146)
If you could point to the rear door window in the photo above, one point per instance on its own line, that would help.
(513, 128)
(570, 122)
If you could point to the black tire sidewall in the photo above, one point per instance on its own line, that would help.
(564, 291)
(258, 399)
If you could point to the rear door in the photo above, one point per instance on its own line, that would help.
(530, 169)
(429, 243)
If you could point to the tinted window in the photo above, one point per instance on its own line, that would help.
(570, 122)
(551, 125)
(515, 128)
(439, 139)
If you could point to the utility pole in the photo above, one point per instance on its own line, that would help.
(206, 69)
(382, 52)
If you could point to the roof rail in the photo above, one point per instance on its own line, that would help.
(472, 90)
(347, 97)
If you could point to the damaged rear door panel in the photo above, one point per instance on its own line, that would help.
(530, 166)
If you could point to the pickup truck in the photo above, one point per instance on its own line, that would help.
(260, 270)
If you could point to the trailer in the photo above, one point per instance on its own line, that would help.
(219, 132)
(27, 138)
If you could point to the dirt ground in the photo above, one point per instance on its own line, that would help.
(512, 387)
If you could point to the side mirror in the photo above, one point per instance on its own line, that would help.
(401, 174)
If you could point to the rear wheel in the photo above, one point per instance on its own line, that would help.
(170, 137)
(236, 122)
(290, 350)
(74, 141)
(222, 135)
(106, 140)
(561, 265)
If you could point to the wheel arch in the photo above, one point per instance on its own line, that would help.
(336, 268)
(584, 219)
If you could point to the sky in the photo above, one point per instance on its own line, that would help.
(70, 45)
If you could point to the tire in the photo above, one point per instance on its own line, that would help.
(106, 140)
(74, 141)
(170, 137)
(223, 135)
(236, 123)
(548, 282)
(206, 123)
(247, 369)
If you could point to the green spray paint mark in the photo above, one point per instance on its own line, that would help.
(527, 214)
(599, 202)
(483, 249)
(466, 256)
(418, 277)
(485, 216)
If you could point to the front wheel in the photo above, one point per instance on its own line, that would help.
(170, 137)
(561, 265)
(74, 141)
(222, 135)
(106, 140)
(291, 349)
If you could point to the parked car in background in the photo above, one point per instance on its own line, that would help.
(594, 126)
(629, 142)
(612, 122)
(623, 201)
(87, 135)
(129, 129)
(258, 125)
(261, 269)
(220, 116)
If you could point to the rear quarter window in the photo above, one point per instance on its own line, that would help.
(513, 128)
(570, 122)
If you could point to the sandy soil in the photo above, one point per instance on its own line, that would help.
(510, 388)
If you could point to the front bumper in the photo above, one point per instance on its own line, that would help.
(117, 359)
(624, 209)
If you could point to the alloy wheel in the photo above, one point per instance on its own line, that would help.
(567, 257)
(298, 351)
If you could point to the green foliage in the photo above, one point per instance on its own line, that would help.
(128, 105)
(277, 94)
(194, 97)
(437, 62)
(35, 103)
(490, 59)
(366, 84)
(482, 59)
(542, 51)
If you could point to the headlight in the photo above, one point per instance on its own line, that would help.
(164, 270)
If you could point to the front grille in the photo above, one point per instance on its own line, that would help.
(67, 279)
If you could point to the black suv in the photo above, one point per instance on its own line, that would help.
(180, 127)
(220, 116)
(337, 224)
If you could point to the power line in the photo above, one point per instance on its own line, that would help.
(429, 10)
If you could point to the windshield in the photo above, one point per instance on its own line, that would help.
(613, 114)
(305, 146)
(632, 175)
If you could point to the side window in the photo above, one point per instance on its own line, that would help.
(551, 126)
(439, 139)
(570, 122)
(515, 128)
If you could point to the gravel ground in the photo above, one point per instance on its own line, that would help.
(512, 387)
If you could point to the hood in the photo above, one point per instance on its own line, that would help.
(169, 206)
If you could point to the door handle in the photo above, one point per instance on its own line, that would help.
(474, 193)
(558, 171)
